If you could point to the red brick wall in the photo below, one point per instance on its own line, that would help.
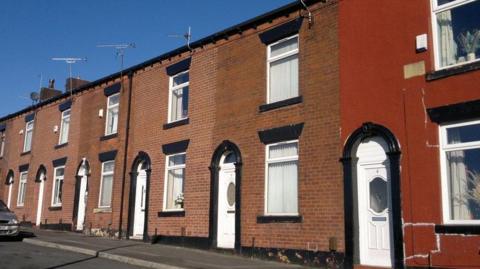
(376, 40)
(227, 86)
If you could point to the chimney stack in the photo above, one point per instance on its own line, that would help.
(50, 92)
(76, 83)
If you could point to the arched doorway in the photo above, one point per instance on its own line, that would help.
(139, 197)
(225, 199)
(9, 181)
(81, 195)
(373, 225)
(40, 178)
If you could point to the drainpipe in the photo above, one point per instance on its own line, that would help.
(125, 154)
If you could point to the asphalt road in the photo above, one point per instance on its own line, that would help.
(19, 255)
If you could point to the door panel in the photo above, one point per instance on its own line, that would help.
(226, 209)
(40, 200)
(140, 196)
(82, 203)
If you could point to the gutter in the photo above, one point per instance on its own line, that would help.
(125, 154)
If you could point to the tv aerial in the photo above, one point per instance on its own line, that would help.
(69, 61)
(35, 97)
(119, 49)
(187, 36)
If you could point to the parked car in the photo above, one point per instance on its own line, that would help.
(8, 221)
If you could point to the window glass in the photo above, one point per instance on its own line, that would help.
(27, 146)
(283, 70)
(106, 184)
(282, 178)
(458, 33)
(179, 92)
(65, 126)
(174, 182)
(463, 134)
(22, 188)
(463, 172)
(2, 144)
(112, 114)
(284, 47)
(58, 186)
(180, 79)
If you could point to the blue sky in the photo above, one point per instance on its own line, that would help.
(33, 31)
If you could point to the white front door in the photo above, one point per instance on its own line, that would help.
(374, 205)
(140, 195)
(82, 203)
(226, 208)
(9, 201)
(40, 200)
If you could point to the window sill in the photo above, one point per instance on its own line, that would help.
(279, 104)
(279, 219)
(180, 213)
(457, 229)
(176, 123)
(25, 153)
(61, 145)
(107, 137)
(102, 210)
(444, 73)
(55, 208)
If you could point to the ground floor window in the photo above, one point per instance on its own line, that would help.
(59, 174)
(22, 188)
(282, 178)
(174, 180)
(460, 155)
(106, 184)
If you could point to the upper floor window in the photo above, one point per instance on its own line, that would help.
(282, 179)
(59, 174)
(106, 184)
(64, 127)
(2, 143)
(456, 31)
(174, 180)
(460, 157)
(178, 96)
(22, 188)
(27, 145)
(283, 69)
(112, 114)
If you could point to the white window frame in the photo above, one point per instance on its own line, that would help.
(29, 126)
(270, 60)
(2, 143)
(435, 9)
(279, 160)
(172, 88)
(112, 173)
(63, 118)
(444, 148)
(54, 184)
(110, 107)
(22, 188)
(168, 168)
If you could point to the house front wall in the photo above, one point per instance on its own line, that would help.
(377, 43)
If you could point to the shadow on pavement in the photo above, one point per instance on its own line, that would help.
(70, 263)
(21, 235)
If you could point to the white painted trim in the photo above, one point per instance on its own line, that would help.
(444, 148)
(9, 201)
(62, 119)
(280, 160)
(279, 57)
(110, 107)
(21, 189)
(165, 182)
(101, 184)
(54, 183)
(172, 88)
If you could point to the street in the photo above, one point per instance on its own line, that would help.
(16, 254)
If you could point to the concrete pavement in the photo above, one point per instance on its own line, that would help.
(147, 255)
